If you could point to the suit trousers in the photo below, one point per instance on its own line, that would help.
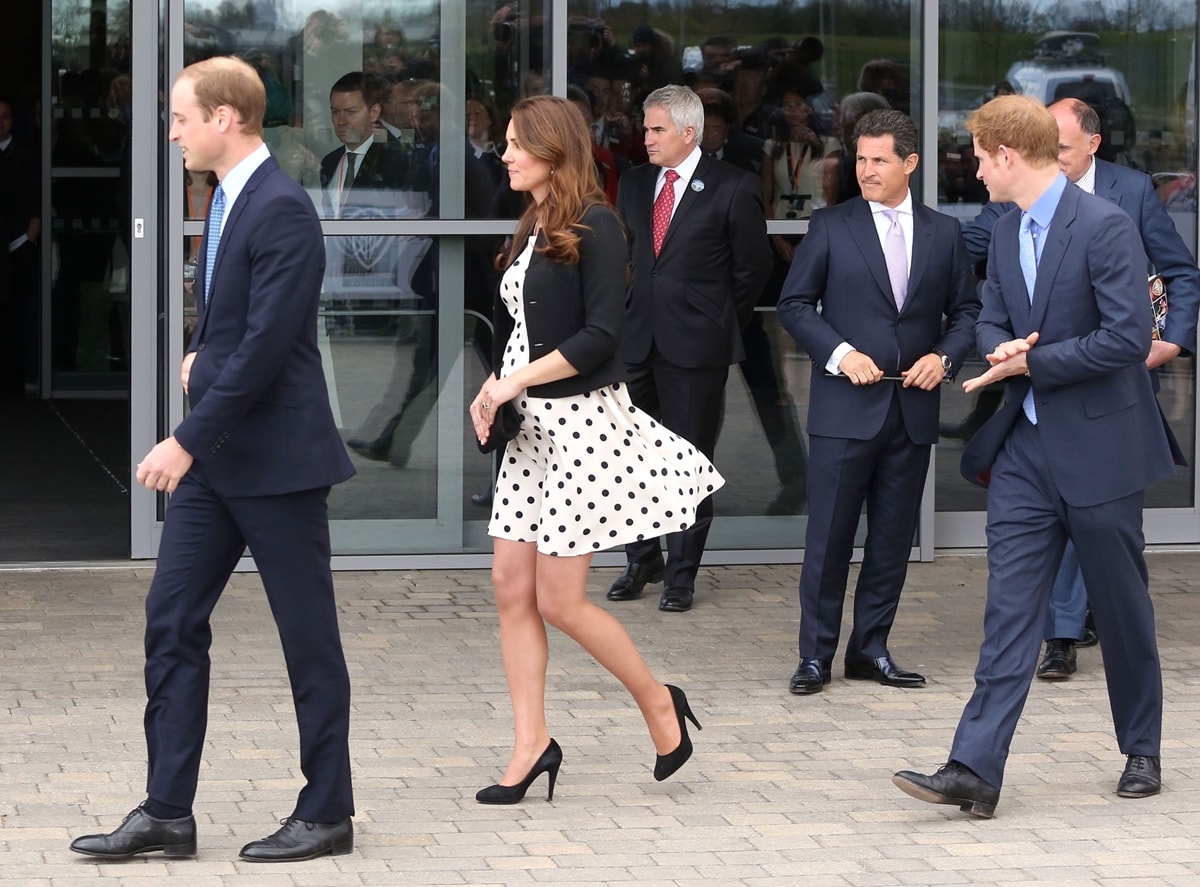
(1067, 616)
(1028, 525)
(688, 401)
(887, 474)
(204, 534)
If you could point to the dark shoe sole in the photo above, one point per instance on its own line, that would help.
(981, 809)
(854, 675)
(342, 849)
(1054, 675)
(806, 689)
(175, 851)
(1149, 793)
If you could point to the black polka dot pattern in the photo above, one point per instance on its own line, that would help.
(589, 479)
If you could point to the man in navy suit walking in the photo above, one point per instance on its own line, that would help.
(881, 296)
(1065, 323)
(250, 466)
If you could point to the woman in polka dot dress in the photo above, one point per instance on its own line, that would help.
(588, 470)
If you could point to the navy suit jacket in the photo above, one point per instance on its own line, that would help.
(692, 300)
(838, 290)
(1134, 192)
(1098, 421)
(260, 422)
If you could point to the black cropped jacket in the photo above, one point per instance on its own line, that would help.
(577, 309)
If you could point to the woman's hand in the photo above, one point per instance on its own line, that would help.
(483, 408)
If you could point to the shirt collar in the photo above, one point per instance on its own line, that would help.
(235, 180)
(905, 207)
(1087, 181)
(1044, 207)
(687, 168)
(4, 144)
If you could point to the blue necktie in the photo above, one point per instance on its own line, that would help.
(1028, 255)
(216, 213)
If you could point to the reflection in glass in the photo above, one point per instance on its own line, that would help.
(1135, 74)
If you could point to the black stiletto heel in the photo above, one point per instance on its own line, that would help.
(549, 763)
(665, 765)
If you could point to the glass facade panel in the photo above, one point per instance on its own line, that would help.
(89, 196)
(1135, 65)
(415, 132)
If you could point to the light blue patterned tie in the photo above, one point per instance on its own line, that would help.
(1028, 254)
(216, 214)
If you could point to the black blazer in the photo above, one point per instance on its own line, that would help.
(575, 309)
(838, 291)
(385, 167)
(692, 300)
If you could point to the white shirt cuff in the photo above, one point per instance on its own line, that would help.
(835, 359)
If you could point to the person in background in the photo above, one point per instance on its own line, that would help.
(881, 296)
(699, 261)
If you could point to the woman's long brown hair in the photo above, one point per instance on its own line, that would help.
(551, 128)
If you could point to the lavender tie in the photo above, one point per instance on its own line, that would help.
(896, 256)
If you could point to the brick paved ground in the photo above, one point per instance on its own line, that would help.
(782, 790)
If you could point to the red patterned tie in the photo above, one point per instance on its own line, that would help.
(662, 209)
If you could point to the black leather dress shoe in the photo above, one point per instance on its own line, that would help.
(298, 840)
(1141, 778)
(885, 671)
(368, 449)
(142, 833)
(810, 676)
(1058, 663)
(1090, 637)
(676, 600)
(952, 784)
(629, 584)
(790, 499)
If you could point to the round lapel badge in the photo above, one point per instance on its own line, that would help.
(697, 185)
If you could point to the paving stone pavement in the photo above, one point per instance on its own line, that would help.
(782, 790)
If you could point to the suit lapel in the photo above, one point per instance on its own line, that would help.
(1106, 185)
(232, 215)
(690, 196)
(922, 244)
(1058, 240)
(866, 236)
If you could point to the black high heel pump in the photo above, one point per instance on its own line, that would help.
(665, 765)
(549, 762)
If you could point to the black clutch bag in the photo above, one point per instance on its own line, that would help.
(505, 426)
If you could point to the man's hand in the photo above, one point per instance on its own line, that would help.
(926, 374)
(1161, 352)
(1009, 359)
(185, 371)
(860, 369)
(164, 466)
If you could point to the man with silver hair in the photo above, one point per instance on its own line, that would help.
(700, 258)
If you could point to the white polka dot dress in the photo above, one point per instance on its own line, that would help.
(589, 471)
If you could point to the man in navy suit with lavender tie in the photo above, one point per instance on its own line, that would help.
(881, 296)
(250, 466)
